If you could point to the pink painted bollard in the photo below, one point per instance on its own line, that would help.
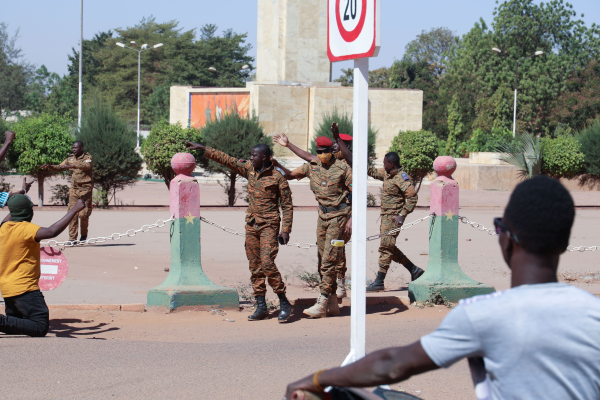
(443, 278)
(187, 287)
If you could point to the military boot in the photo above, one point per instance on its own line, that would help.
(285, 308)
(261, 311)
(415, 272)
(319, 310)
(341, 288)
(333, 308)
(83, 238)
(377, 286)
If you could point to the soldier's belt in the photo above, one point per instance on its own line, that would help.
(332, 209)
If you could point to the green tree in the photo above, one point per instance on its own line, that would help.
(417, 150)
(455, 127)
(15, 72)
(163, 142)
(432, 47)
(408, 74)
(521, 28)
(589, 139)
(112, 146)
(182, 59)
(346, 125)
(235, 135)
(579, 104)
(43, 139)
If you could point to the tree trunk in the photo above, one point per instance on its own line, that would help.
(104, 195)
(232, 178)
(40, 179)
(168, 177)
(419, 184)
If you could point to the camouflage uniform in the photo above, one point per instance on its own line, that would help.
(81, 188)
(341, 268)
(267, 190)
(331, 185)
(399, 198)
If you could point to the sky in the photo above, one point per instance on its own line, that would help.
(49, 29)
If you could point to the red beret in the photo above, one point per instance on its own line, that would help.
(324, 141)
(345, 137)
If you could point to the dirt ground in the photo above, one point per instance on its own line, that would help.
(201, 355)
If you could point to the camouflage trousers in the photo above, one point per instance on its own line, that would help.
(81, 191)
(261, 249)
(388, 251)
(341, 268)
(330, 257)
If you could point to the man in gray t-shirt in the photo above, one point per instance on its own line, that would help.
(538, 340)
(531, 342)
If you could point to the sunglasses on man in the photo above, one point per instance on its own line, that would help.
(501, 227)
(325, 150)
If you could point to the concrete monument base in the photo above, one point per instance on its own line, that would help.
(181, 298)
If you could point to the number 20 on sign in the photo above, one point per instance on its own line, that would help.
(353, 29)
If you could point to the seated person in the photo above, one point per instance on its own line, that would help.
(25, 308)
(538, 340)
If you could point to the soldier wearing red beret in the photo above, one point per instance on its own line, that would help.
(331, 182)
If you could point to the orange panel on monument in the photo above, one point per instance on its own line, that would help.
(205, 106)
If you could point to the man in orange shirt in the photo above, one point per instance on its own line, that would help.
(25, 308)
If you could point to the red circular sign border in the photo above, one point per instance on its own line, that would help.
(352, 35)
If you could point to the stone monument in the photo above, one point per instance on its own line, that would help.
(293, 85)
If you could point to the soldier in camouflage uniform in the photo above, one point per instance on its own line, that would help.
(81, 165)
(331, 182)
(398, 200)
(267, 190)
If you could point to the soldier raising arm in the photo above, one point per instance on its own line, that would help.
(267, 190)
(81, 165)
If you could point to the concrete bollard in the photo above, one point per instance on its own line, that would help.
(443, 276)
(186, 286)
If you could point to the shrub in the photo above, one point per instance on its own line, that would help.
(417, 151)
(42, 139)
(60, 195)
(346, 125)
(562, 157)
(235, 135)
(589, 139)
(484, 141)
(112, 146)
(163, 142)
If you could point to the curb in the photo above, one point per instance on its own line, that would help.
(103, 307)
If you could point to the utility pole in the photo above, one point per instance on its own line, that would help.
(80, 60)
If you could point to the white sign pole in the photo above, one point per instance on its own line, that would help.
(359, 210)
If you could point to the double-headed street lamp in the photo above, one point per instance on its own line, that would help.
(537, 53)
(144, 48)
(244, 67)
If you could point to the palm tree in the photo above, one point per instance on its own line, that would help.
(525, 153)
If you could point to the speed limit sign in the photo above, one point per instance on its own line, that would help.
(353, 29)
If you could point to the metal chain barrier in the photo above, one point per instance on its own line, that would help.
(402, 228)
(308, 245)
(115, 236)
(477, 226)
(482, 228)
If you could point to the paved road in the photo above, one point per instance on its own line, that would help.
(199, 356)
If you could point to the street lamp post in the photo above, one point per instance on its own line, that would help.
(537, 53)
(244, 67)
(144, 48)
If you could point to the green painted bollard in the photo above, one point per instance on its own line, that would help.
(443, 276)
(186, 286)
